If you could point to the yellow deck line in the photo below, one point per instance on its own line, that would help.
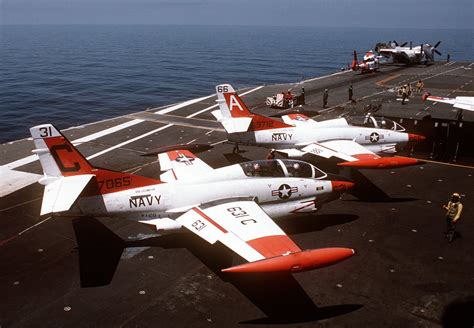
(382, 82)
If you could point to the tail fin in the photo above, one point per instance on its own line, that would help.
(67, 172)
(58, 157)
(236, 117)
(355, 64)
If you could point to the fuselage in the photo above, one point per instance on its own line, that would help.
(375, 139)
(411, 55)
(272, 184)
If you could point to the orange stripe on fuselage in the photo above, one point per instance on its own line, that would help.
(108, 181)
(238, 109)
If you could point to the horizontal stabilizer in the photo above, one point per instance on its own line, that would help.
(60, 195)
(382, 163)
(194, 148)
(191, 122)
(236, 125)
(217, 114)
(296, 262)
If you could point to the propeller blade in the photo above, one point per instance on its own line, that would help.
(396, 43)
(404, 44)
(437, 44)
(436, 51)
(411, 45)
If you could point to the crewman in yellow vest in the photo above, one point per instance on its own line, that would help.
(453, 214)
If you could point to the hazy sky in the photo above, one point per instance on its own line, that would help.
(360, 13)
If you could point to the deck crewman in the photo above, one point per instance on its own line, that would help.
(271, 154)
(351, 92)
(453, 214)
(404, 94)
(325, 98)
(419, 86)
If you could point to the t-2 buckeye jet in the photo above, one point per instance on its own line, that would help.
(233, 205)
(466, 103)
(298, 135)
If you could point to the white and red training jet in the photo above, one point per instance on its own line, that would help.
(299, 135)
(466, 103)
(233, 204)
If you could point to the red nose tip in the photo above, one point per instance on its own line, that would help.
(341, 185)
(415, 137)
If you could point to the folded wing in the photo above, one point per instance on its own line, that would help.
(301, 120)
(181, 165)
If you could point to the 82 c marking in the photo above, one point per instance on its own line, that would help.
(239, 213)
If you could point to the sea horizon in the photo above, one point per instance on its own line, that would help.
(73, 74)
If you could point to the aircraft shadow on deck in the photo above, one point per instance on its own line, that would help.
(236, 158)
(279, 296)
(458, 313)
(318, 222)
(366, 191)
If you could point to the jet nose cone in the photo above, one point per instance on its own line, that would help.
(415, 137)
(341, 185)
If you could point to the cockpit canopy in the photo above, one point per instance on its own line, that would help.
(374, 122)
(281, 168)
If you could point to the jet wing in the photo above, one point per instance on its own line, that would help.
(299, 120)
(242, 226)
(351, 153)
(466, 103)
(397, 54)
(388, 51)
(347, 150)
(180, 165)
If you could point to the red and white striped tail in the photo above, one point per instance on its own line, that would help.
(236, 117)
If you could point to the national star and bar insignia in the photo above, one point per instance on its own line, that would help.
(374, 137)
(284, 191)
(184, 159)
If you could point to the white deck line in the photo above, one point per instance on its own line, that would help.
(325, 76)
(160, 129)
(8, 168)
(32, 158)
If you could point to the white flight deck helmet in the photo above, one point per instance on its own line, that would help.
(455, 197)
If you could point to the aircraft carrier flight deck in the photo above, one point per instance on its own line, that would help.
(405, 273)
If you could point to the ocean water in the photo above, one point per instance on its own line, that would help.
(71, 75)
